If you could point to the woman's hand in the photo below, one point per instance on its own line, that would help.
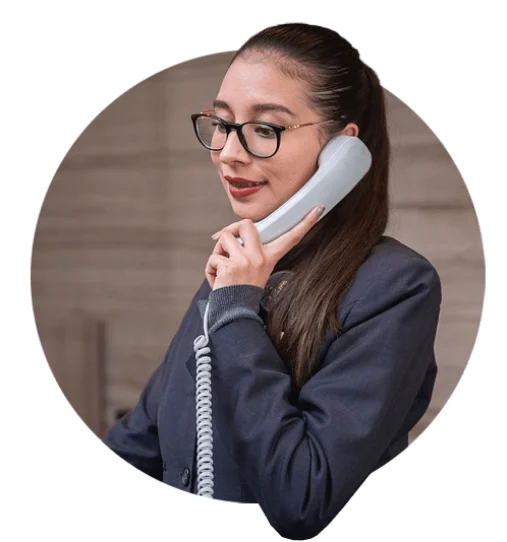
(230, 263)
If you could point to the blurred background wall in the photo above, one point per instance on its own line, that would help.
(124, 235)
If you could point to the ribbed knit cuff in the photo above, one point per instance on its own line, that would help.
(230, 302)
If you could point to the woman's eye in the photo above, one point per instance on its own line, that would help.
(264, 131)
(218, 125)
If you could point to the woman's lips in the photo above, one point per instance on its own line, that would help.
(242, 192)
(241, 180)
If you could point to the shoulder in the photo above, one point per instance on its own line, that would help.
(392, 271)
(391, 260)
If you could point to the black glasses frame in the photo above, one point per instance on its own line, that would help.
(229, 126)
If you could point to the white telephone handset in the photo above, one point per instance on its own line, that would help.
(342, 163)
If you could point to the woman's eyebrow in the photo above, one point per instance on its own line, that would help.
(258, 108)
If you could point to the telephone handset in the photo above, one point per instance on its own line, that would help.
(342, 163)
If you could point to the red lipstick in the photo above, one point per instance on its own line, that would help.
(240, 187)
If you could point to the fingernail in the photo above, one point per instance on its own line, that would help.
(320, 211)
(215, 235)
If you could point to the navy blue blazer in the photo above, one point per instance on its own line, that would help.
(299, 453)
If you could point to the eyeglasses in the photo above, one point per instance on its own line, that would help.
(260, 139)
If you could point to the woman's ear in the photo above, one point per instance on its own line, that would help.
(351, 129)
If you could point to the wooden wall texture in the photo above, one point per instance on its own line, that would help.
(124, 234)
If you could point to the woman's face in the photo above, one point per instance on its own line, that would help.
(256, 90)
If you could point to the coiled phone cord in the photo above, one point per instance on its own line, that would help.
(203, 409)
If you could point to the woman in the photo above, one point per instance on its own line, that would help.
(314, 392)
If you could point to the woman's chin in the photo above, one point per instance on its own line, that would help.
(246, 208)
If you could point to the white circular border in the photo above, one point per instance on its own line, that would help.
(66, 415)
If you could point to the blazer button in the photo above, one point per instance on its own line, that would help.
(185, 477)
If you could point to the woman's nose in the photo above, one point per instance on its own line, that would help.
(233, 150)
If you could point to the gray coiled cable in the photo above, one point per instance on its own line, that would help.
(203, 405)
(203, 408)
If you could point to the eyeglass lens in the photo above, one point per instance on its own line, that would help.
(260, 138)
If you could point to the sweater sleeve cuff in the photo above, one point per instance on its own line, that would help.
(230, 302)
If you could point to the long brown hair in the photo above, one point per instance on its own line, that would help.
(341, 87)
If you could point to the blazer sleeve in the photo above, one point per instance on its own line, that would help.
(135, 436)
(303, 461)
